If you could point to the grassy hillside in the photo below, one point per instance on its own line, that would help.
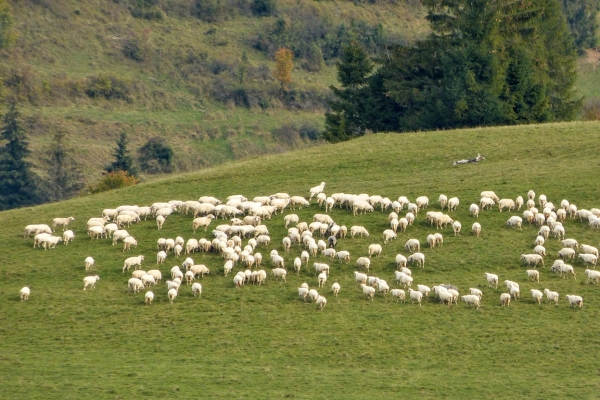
(264, 341)
(174, 69)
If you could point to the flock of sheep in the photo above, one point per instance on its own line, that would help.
(246, 222)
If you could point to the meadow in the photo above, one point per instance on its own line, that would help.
(264, 342)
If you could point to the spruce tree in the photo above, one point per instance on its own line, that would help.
(65, 178)
(18, 184)
(123, 160)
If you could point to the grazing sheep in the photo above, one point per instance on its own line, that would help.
(574, 301)
(90, 281)
(552, 296)
(593, 276)
(537, 296)
(492, 280)
(322, 278)
(321, 302)
(132, 262)
(316, 190)
(417, 258)
(567, 270)
(541, 250)
(400, 261)
(24, 293)
(313, 295)
(588, 259)
(399, 294)
(68, 236)
(415, 295)
(148, 297)
(161, 256)
(89, 263)
(505, 299)
(566, 253)
(443, 200)
(279, 273)
(424, 289)
(515, 222)
(388, 235)
(335, 288)
(363, 262)
(375, 250)
(572, 243)
(515, 292)
(490, 194)
(533, 274)
(586, 249)
(530, 259)
(506, 203)
(360, 277)
(476, 229)
(413, 245)
(471, 299)
(456, 226)
(128, 242)
(368, 291)
(197, 289)
(358, 230)
(486, 202)
(172, 294)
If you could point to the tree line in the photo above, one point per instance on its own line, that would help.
(486, 62)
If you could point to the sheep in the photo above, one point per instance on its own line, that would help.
(172, 294)
(417, 258)
(138, 273)
(402, 224)
(316, 190)
(486, 202)
(476, 292)
(400, 261)
(413, 245)
(405, 280)
(446, 297)
(375, 250)
(277, 261)
(132, 262)
(238, 281)
(567, 270)
(399, 294)
(541, 250)
(335, 288)
(197, 289)
(592, 275)
(422, 202)
(321, 267)
(456, 226)
(89, 263)
(322, 278)
(382, 286)
(388, 235)
(573, 300)
(476, 228)
(505, 299)
(321, 302)
(506, 203)
(424, 289)
(358, 230)
(431, 240)
(561, 215)
(539, 241)
(551, 296)
(409, 217)
(148, 280)
(492, 280)
(360, 277)
(544, 231)
(51, 241)
(161, 256)
(279, 273)
(474, 210)
(148, 297)
(586, 249)
(290, 219)
(413, 209)
(490, 194)
(199, 269)
(343, 255)
(119, 235)
(415, 295)
(453, 204)
(559, 232)
(263, 239)
(588, 258)
(443, 200)
(368, 291)
(537, 295)
(515, 292)
(471, 299)
(68, 236)
(363, 262)
(519, 202)
(530, 259)
(533, 274)
(90, 281)
(96, 222)
(24, 293)
(128, 242)
(62, 222)
(202, 222)
(405, 271)
(515, 222)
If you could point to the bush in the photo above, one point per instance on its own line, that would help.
(263, 8)
(108, 87)
(113, 180)
(155, 156)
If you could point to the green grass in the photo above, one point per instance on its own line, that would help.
(262, 342)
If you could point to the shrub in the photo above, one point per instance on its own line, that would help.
(155, 156)
(113, 180)
(263, 8)
(108, 87)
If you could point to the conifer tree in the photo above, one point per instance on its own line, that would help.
(123, 159)
(65, 178)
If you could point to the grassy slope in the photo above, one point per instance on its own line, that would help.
(263, 341)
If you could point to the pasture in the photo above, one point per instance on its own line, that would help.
(264, 342)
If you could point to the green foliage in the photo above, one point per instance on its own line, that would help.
(19, 186)
(582, 17)
(210, 10)
(64, 176)
(7, 32)
(123, 160)
(108, 87)
(113, 180)
(314, 60)
(263, 8)
(155, 156)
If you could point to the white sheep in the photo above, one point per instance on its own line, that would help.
(316, 190)
(515, 292)
(200, 270)
(321, 302)
(156, 274)
(375, 250)
(566, 253)
(363, 262)
(399, 294)
(588, 258)
(133, 261)
(89, 263)
(506, 203)
(424, 289)
(197, 289)
(358, 230)
(413, 245)
(567, 270)
(505, 299)
(486, 202)
(443, 200)
(335, 288)
(417, 258)
(539, 249)
(492, 280)
(593, 276)
(453, 204)
(128, 242)
(172, 294)
(415, 295)
(587, 249)
(90, 281)
(533, 274)
(422, 202)
(321, 267)
(50, 241)
(388, 235)
(537, 296)
(322, 278)
(148, 280)
(138, 273)
(343, 255)
(471, 299)
(24, 293)
(368, 291)
(574, 301)
(559, 232)
(474, 210)
(572, 243)
(148, 297)
(456, 227)
(360, 277)
(530, 259)
(279, 273)
(161, 256)
(551, 296)
(476, 228)
(409, 217)
(519, 202)
(121, 234)
(490, 194)
(68, 236)
(515, 222)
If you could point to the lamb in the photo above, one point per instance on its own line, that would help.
(360, 277)
(335, 288)
(588, 259)
(61, 222)
(89, 263)
(148, 297)
(24, 293)
(456, 226)
(172, 294)
(316, 190)
(375, 250)
(358, 230)
(476, 229)
(128, 242)
(533, 274)
(592, 275)
(492, 280)
(279, 273)
(363, 262)
(530, 259)
(415, 295)
(413, 245)
(388, 235)
(506, 203)
(417, 258)
(573, 300)
(68, 236)
(453, 204)
(552, 296)
(132, 262)
(515, 222)
(471, 299)
(474, 210)
(90, 281)
(505, 299)
(368, 291)
(537, 295)
(586, 249)
(399, 294)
